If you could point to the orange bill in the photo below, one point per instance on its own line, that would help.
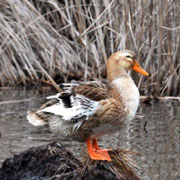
(136, 67)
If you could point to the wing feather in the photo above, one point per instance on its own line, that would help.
(79, 107)
(94, 90)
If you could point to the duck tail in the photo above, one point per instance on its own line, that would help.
(35, 120)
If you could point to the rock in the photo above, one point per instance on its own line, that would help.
(54, 162)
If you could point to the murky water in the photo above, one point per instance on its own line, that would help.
(158, 143)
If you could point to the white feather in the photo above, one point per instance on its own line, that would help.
(129, 93)
(54, 96)
(35, 120)
(81, 107)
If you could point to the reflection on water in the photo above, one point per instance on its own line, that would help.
(158, 143)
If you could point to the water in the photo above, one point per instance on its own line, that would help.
(155, 135)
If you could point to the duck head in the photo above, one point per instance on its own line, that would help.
(121, 62)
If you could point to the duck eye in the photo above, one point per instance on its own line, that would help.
(128, 56)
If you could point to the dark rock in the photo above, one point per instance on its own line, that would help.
(54, 162)
(38, 163)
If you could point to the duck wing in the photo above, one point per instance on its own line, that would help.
(94, 90)
(67, 107)
(79, 103)
(71, 107)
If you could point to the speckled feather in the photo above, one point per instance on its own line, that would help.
(95, 90)
(108, 113)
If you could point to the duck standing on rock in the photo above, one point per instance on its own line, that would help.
(88, 110)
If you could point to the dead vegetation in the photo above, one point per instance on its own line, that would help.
(66, 39)
(54, 162)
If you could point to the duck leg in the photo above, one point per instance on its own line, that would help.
(95, 152)
(96, 147)
(95, 144)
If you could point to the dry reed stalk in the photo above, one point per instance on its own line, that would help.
(43, 40)
(14, 101)
(160, 38)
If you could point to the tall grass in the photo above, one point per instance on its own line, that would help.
(66, 39)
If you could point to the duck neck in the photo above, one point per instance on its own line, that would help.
(127, 91)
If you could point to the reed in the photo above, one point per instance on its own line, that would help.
(44, 41)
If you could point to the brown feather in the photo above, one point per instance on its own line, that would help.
(95, 90)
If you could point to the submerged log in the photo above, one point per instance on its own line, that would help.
(54, 162)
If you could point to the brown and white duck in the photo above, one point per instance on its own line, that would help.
(88, 110)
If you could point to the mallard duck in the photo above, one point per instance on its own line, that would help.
(85, 111)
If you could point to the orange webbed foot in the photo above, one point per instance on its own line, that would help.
(95, 152)
(100, 155)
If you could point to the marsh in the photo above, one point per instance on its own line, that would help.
(154, 133)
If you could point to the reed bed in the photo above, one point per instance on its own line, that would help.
(44, 41)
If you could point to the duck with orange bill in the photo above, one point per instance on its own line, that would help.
(85, 111)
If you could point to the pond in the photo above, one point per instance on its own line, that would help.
(154, 133)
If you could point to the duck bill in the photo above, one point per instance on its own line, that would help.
(136, 67)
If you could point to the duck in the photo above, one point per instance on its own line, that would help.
(85, 111)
